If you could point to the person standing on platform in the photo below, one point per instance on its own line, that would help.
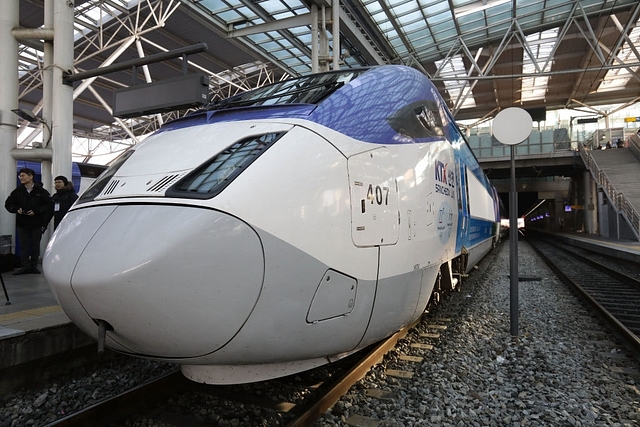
(33, 207)
(63, 198)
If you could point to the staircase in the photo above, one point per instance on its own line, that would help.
(617, 171)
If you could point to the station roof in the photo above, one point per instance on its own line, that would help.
(482, 55)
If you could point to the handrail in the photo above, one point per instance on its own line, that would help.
(634, 145)
(618, 199)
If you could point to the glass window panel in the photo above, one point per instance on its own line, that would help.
(617, 79)
(415, 30)
(421, 35)
(245, 11)
(440, 17)
(272, 6)
(459, 3)
(302, 69)
(391, 34)
(498, 18)
(380, 17)
(443, 31)
(434, 8)
(305, 38)
(407, 7)
(270, 46)
(294, 4)
(229, 16)
(258, 38)
(213, 5)
(410, 18)
(524, 7)
(373, 8)
(283, 15)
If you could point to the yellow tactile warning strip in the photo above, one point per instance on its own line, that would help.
(34, 312)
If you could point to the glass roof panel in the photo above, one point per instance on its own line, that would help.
(230, 15)
(402, 8)
(410, 18)
(373, 7)
(214, 5)
(294, 4)
(475, 7)
(381, 18)
(541, 45)
(283, 15)
(414, 29)
(91, 15)
(527, 7)
(456, 88)
(273, 6)
(433, 8)
(617, 79)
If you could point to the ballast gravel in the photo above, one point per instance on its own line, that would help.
(562, 368)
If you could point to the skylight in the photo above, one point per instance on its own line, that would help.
(452, 69)
(617, 79)
(541, 45)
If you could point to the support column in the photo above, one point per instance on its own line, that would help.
(559, 207)
(47, 97)
(335, 14)
(324, 43)
(314, 38)
(9, 19)
(62, 124)
(590, 204)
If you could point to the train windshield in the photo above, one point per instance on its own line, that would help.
(303, 90)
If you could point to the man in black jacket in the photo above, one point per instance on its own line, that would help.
(33, 208)
(63, 198)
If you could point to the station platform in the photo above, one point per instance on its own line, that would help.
(624, 249)
(33, 326)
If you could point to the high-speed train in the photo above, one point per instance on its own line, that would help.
(277, 230)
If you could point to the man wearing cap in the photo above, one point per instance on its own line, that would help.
(33, 208)
(63, 199)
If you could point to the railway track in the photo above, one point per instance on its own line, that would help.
(155, 400)
(613, 293)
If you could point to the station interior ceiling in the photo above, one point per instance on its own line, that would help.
(483, 56)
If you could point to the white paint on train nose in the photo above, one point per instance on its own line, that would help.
(172, 281)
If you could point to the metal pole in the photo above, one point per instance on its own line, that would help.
(513, 245)
(314, 38)
(335, 13)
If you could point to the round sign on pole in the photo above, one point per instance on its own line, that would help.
(512, 126)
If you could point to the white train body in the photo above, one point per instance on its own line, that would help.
(329, 239)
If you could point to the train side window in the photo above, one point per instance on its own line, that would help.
(212, 177)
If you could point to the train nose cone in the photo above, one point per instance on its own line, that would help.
(173, 282)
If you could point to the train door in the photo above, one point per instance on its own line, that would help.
(374, 199)
(463, 206)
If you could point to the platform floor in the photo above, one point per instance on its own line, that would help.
(33, 306)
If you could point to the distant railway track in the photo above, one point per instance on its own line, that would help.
(614, 294)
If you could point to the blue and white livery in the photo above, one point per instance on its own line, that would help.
(277, 230)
